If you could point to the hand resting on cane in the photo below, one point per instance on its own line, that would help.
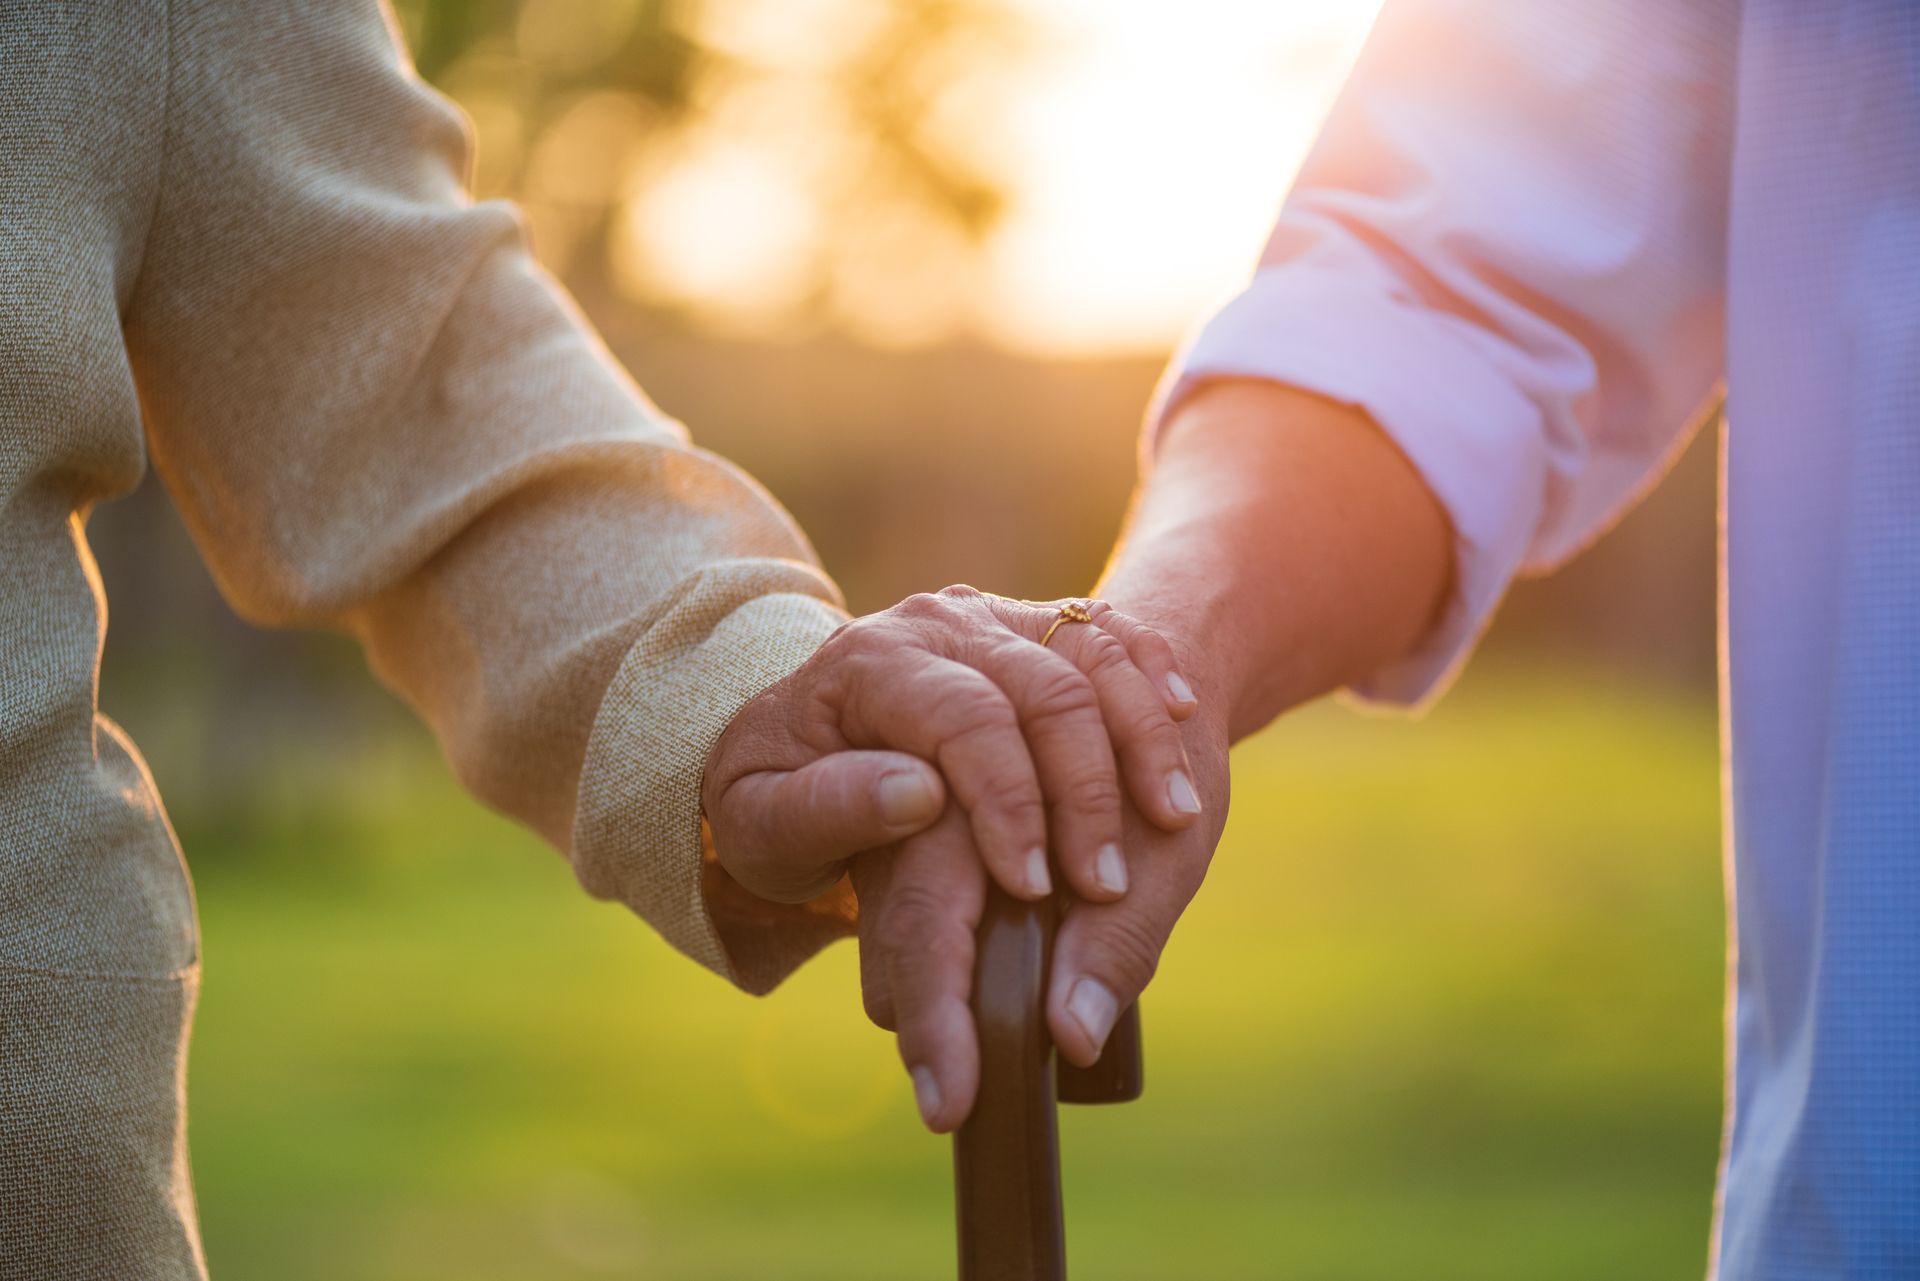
(949, 704)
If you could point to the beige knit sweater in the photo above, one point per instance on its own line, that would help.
(234, 240)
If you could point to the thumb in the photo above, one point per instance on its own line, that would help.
(786, 835)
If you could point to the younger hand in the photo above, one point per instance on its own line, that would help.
(920, 908)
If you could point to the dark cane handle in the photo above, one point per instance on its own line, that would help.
(1006, 1158)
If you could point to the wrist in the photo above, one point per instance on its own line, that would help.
(1204, 634)
(1283, 545)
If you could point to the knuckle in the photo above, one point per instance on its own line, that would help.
(1138, 637)
(919, 605)
(959, 592)
(1018, 804)
(916, 913)
(1128, 948)
(1153, 645)
(1151, 639)
(1103, 650)
(977, 709)
(1145, 631)
(1094, 793)
(1150, 725)
(1059, 690)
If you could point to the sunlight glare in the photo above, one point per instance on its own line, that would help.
(1143, 154)
(725, 223)
(1151, 157)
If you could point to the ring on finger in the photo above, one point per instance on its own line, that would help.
(1072, 612)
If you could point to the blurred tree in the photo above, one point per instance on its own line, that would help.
(802, 164)
(774, 163)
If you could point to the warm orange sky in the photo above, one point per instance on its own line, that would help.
(1146, 149)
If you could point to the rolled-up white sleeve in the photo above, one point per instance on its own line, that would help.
(1508, 249)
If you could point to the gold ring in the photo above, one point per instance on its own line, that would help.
(1071, 612)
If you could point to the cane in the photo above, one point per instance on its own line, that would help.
(1006, 1158)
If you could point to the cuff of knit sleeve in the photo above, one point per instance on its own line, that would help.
(1430, 383)
(638, 834)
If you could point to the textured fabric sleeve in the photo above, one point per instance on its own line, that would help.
(377, 413)
(1508, 248)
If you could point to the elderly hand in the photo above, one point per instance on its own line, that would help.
(850, 751)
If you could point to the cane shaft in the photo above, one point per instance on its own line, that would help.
(1006, 1158)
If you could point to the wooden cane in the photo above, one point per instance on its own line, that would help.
(1006, 1158)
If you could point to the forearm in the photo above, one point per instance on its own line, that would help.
(1283, 544)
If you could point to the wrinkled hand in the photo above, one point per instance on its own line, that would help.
(850, 752)
(920, 907)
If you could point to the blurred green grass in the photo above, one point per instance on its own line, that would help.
(1449, 1006)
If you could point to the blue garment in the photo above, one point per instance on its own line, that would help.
(1532, 242)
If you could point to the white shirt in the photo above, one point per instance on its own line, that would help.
(1533, 240)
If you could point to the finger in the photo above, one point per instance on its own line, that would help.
(871, 872)
(1152, 754)
(1142, 731)
(964, 722)
(931, 908)
(1105, 953)
(1153, 655)
(786, 835)
(1059, 713)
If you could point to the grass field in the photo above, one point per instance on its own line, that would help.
(1449, 1006)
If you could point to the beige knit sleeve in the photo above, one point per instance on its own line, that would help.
(377, 413)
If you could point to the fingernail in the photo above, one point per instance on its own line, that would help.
(1037, 879)
(926, 1093)
(1178, 687)
(1093, 1008)
(1180, 793)
(906, 798)
(1110, 869)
